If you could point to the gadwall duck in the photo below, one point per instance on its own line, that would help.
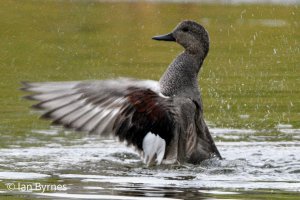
(162, 119)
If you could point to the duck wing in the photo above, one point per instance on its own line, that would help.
(133, 110)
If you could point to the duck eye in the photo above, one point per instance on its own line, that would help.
(185, 29)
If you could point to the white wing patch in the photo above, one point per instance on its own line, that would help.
(154, 149)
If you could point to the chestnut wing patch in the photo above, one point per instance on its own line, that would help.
(145, 112)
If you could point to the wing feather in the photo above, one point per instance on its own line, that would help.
(127, 108)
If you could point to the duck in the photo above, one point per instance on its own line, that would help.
(163, 120)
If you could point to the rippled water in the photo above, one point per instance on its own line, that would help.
(94, 168)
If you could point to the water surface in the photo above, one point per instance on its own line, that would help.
(101, 169)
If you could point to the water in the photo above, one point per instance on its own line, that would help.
(249, 85)
(93, 168)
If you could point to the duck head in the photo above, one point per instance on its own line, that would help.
(191, 35)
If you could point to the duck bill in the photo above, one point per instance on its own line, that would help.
(167, 37)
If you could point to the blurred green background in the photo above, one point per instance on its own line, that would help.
(250, 78)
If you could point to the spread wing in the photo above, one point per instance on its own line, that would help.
(132, 110)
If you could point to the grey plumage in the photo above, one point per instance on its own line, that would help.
(167, 115)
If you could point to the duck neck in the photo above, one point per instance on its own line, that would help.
(181, 77)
